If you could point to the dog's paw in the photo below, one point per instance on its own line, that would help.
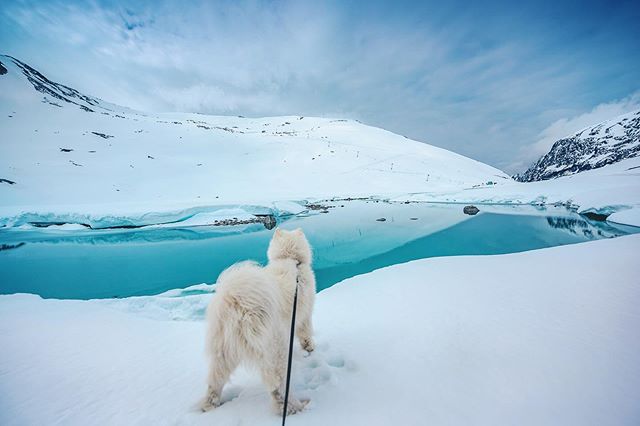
(307, 345)
(294, 406)
(207, 406)
(210, 402)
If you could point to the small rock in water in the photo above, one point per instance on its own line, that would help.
(381, 219)
(268, 220)
(595, 216)
(470, 210)
(413, 218)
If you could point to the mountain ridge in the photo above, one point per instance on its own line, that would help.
(593, 147)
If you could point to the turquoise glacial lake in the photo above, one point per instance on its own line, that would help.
(352, 238)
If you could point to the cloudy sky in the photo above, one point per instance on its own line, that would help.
(496, 81)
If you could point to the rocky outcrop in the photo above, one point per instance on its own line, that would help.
(605, 143)
(470, 210)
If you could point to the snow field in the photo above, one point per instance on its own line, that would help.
(541, 337)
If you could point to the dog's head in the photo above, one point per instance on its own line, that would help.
(289, 245)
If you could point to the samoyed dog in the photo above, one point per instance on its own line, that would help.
(249, 317)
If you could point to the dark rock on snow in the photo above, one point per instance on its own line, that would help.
(102, 135)
(470, 210)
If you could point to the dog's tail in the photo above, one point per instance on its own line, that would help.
(240, 315)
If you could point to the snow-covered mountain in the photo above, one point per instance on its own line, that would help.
(605, 143)
(64, 151)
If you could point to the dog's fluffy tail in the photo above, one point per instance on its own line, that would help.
(240, 313)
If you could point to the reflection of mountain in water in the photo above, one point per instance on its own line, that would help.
(94, 264)
(132, 236)
(10, 246)
(584, 228)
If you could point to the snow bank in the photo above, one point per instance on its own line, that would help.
(628, 217)
(541, 337)
(605, 190)
(193, 216)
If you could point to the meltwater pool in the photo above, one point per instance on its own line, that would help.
(354, 237)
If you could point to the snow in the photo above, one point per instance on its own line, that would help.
(202, 219)
(283, 208)
(162, 168)
(434, 341)
(627, 217)
(595, 146)
(541, 337)
(167, 163)
(605, 190)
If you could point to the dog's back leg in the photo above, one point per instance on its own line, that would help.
(304, 325)
(273, 370)
(304, 331)
(223, 354)
(221, 365)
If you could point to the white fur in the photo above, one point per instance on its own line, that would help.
(249, 317)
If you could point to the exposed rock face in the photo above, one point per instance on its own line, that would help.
(3, 70)
(55, 90)
(605, 143)
(102, 135)
(470, 210)
(268, 220)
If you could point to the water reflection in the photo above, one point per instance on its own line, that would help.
(126, 236)
(11, 246)
(591, 230)
(348, 241)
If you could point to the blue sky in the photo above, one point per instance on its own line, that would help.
(496, 81)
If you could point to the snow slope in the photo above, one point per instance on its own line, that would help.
(613, 189)
(66, 157)
(593, 147)
(74, 155)
(441, 341)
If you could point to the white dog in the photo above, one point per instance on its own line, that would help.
(249, 317)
